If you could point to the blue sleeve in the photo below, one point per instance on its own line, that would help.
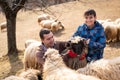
(77, 32)
(101, 41)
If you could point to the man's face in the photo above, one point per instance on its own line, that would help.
(89, 20)
(48, 40)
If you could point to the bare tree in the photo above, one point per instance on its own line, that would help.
(10, 9)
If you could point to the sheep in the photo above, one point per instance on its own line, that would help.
(3, 26)
(117, 21)
(47, 23)
(43, 17)
(111, 31)
(53, 25)
(30, 60)
(77, 50)
(28, 42)
(103, 21)
(55, 69)
(105, 69)
(118, 35)
(30, 74)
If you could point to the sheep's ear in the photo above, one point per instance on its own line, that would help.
(56, 20)
(84, 41)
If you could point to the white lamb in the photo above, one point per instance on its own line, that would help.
(105, 69)
(55, 69)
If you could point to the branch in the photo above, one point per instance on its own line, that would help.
(5, 7)
(18, 5)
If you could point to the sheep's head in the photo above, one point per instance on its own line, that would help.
(60, 24)
(31, 74)
(76, 44)
(52, 54)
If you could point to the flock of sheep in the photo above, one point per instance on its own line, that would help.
(45, 21)
(112, 29)
(55, 68)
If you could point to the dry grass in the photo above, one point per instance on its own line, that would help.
(70, 14)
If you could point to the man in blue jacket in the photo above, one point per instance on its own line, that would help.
(95, 35)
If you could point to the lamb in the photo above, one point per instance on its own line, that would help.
(3, 26)
(43, 17)
(55, 69)
(30, 60)
(105, 69)
(77, 50)
(30, 74)
(53, 25)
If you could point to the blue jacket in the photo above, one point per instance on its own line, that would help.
(97, 40)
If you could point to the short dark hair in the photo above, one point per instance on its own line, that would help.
(43, 31)
(90, 12)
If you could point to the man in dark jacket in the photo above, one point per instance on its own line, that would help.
(47, 40)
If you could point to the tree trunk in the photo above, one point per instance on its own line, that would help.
(10, 9)
(11, 33)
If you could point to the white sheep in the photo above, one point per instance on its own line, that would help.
(30, 60)
(55, 69)
(28, 42)
(103, 21)
(117, 21)
(3, 26)
(47, 23)
(105, 69)
(43, 17)
(111, 31)
(118, 35)
(30, 74)
(53, 25)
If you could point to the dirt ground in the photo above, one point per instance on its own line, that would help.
(70, 14)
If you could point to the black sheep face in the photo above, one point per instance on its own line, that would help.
(76, 47)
